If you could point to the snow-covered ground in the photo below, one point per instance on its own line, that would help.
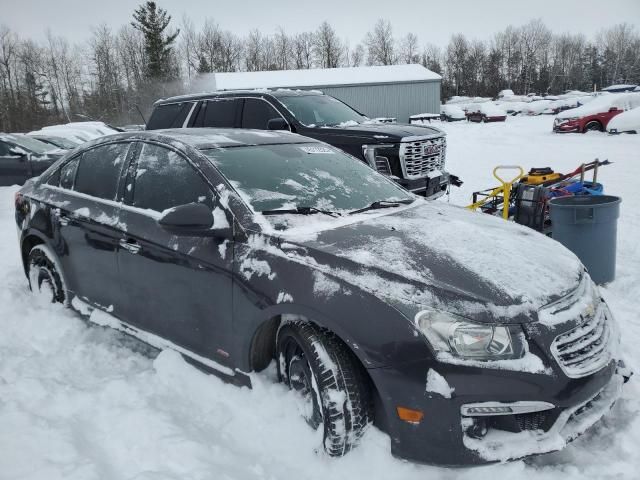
(84, 402)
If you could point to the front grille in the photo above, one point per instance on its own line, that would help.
(420, 157)
(584, 349)
(531, 421)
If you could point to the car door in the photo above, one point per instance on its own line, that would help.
(13, 166)
(177, 286)
(85, 200)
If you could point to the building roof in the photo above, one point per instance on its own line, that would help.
(319, 77)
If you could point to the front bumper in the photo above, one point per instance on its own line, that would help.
(444, 436)
(567, 127)
(430, 187)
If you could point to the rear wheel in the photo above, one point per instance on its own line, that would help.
(593, 125)
(45, 279)
(332, 387)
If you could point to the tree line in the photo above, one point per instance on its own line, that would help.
(116, 73)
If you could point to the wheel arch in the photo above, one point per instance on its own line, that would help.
(28, 241)
(263, 349)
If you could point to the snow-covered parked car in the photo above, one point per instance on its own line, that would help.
(596, 114)
(485, 112)
(23, 157)
(451, 113)
(626, 122)
(538, 107)
(236, 248)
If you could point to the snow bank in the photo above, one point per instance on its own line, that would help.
(625, 122)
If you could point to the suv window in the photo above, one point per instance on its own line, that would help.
(171, 115)
(99, 170)
(220, 113)
(257, 113)
(4, 149)
(165, 179)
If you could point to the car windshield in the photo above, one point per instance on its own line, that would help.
(31, 144)
(321, 110)
(315, 176)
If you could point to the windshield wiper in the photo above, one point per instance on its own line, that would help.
(378, 204)
(300, 211)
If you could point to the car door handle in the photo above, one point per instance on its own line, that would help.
(130, 246)
(62, 219)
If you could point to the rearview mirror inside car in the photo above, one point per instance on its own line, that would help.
(189, 219)
(277, 124)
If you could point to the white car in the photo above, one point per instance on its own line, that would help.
(626, 122)
(451, 113)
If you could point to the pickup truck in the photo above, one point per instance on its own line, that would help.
(23, 157)
(412, 155)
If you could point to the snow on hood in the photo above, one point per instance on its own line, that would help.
(424, 250)
(626, 121)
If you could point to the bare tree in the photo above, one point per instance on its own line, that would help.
(381, 44)
(409, 48)
(327, 46)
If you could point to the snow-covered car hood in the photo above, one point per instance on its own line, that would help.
(447, 257)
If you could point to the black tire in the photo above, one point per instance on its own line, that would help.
(593, 125)
(44, 275)
(310, 357)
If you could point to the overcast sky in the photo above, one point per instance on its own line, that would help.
(432, 21)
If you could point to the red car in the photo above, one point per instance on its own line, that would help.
(485, 112)
(596, 114)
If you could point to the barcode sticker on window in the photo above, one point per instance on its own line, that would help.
(317, 150)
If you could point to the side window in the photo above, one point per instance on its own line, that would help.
(257, 113)
(165, 179)
(220, 113)
(181, 116)
(4, 149)
(65, 175)
(99, 170)
(163, 116)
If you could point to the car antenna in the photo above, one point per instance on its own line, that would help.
(141, 115)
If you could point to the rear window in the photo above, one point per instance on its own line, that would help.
(99, 170)
(171, 115)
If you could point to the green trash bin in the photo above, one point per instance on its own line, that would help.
(587, 225)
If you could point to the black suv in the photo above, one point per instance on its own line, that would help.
(238, 247)
(413, 155)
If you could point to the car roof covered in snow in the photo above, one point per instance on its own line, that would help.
(203, 138)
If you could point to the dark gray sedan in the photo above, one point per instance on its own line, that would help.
(467, 339)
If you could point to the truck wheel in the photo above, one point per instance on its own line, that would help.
(593, 125)
(332, 384)
(45, 279)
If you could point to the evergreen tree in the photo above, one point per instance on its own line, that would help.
(152, 21)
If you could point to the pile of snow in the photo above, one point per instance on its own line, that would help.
(628, 121)
(77, 131)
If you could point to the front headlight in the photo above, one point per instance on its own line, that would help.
(453, 334)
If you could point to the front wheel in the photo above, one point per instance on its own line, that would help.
(330, 382)
(593, 126)
(45, 277)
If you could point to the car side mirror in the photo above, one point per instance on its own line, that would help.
(277, 124)
(189, 219)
